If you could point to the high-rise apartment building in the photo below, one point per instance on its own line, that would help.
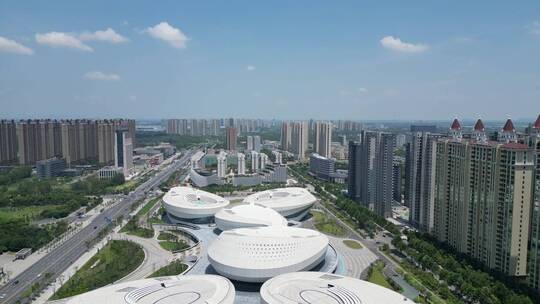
(255, 161)
(123, 150)
(222, 164)
(323, 139)
(483, 197)
(231, 138)
(257, 143)
(241, 164)
(420, 179)
(264, 159)
(285, 136)
(534, 239)
(299, 139)
(8, 142)
(370, 171)
(249, 143)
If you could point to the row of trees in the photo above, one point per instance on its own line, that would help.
(470, 284)
(16, 234)
(14, 175)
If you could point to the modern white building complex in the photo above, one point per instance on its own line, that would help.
(291, 202)
(324, 288)
(251, 215)
(186, 203)
(185, 289)
(257, 254)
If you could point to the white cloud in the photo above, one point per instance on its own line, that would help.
(169, 34)
(59, 39)
(108, 35)
(10, 46)
(97, 75)
(396, 44)
(534, 28)
(250, 68)
(362, 90)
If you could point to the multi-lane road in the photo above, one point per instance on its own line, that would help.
(59, 259)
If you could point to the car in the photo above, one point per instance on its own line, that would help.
(95, 227)
(16, 282)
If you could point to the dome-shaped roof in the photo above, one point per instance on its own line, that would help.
(248, 215)
(257, 254)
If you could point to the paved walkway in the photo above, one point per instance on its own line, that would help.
(155, 256)
(355, 261)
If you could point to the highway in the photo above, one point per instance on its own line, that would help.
(60, 258)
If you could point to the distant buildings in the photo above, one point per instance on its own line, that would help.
(222, 164)
(294, 138)
(231, 135)
(370, 171)
(286, 136)
(8, 142)
(253, 143)
(75, 141)
(255, 161)
(424, 128)
(50, 168)
(241, 163)
(123, 151)
(323, 138)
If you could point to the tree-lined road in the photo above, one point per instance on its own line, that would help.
(60, 258)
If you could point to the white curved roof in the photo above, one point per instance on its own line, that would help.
(256, 254)
(192, 289)
(283, 200)
(324, 288)
(191, 198)
(249, 215)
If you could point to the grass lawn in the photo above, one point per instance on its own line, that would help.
(144, 210)
(114, 261)
(352, 244)
(326, 225)
(173, 246)
(174, 268)
(30, 212)
(377, 276)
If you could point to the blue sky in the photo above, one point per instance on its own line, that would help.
(270, 59)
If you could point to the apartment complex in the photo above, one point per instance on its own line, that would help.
(74, 140)
(323, 139)
(370, 171)
(533, 140)
(483, 196)
(294, 138)
(8, 142)
(230, 142)
(213, 127)
(420, 179)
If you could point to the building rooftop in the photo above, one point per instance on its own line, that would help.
(455, 125)
(509, 126)
(185, 289)
(188, 197)
(479, 126)
(252, 215)
(255, 254)
(537, 123)
(324, 288)
(289, 197)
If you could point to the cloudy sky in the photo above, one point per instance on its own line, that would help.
(270, 59)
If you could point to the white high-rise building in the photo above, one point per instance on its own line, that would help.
(323, 139)
(264, 160)
(249, 143)
(123, 151)
(241, 166)
(257, 143)
(299, 139)
(278, 157)
(255, 161)
(222, 164)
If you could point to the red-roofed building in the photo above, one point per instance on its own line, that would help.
(508, 133)
(537, 123)
(479, 133)
(455, 130)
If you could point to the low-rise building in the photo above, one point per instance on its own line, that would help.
(48, 168)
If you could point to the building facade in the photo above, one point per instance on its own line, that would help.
(323, 139)
(8, 142)
(484, 196)
(231, 138)
(420, 179)
(123, 151)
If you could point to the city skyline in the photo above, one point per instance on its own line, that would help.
(282, 60)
